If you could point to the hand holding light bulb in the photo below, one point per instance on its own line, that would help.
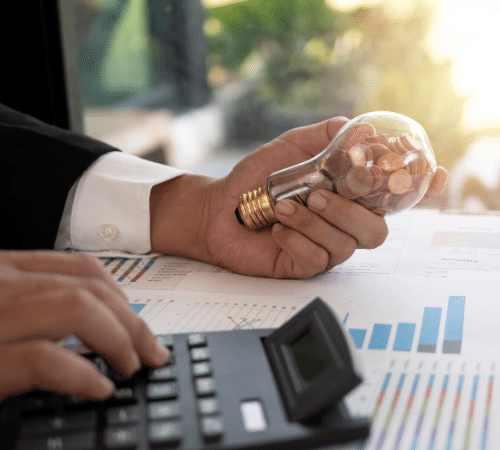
(193, 216)
(382, 160)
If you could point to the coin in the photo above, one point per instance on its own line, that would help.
(378, 177)
(399, 182)
(343, 190)
(438, 183)
(378, 150)
(410, 142)
(359, 179)
(357, 133)
(390, 162)
(357, 153)
(336, 165)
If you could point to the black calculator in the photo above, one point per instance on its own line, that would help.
(242, 389)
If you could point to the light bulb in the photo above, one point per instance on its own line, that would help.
(382, 160)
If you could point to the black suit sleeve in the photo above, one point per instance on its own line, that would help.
(39, 163)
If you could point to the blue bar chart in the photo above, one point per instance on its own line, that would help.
(379, 336)
(454, 327)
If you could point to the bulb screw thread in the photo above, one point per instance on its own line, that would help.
(255, 209)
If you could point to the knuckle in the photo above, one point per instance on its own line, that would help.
(78, 301)
(379, 235)
(305, 220)
(319, 258)
(346, 249)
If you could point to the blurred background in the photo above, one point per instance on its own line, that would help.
(200, 83)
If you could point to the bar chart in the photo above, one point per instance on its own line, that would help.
(405, 334)
(127, 269)
(431, 410)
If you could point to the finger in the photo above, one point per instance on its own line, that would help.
(24, 285)
(44, 365)
(56, 314)
(147, 346)
(438, 184)
(369, 229)
(312, 139)
(80, 265)
(300, 258)
(338, 244)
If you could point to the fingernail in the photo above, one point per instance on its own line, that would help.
(285, 207)
(161, 354)
(316, 201)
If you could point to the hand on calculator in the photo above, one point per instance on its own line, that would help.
(46, 296)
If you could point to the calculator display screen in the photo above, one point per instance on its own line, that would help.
(308, 355)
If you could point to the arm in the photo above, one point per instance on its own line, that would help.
(40, 163)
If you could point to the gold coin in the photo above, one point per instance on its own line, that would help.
(390, 162)
(399, 182)
(359, 179)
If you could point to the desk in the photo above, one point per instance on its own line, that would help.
(422, 311)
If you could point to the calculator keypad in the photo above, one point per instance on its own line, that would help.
(147, 405)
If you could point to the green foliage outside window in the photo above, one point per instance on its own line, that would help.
(306, 56)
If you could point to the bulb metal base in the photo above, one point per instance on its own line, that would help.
(255, 209)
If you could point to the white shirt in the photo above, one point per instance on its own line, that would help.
(108, 207)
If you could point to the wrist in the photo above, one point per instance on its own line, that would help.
(179, 211)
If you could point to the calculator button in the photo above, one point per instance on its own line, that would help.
(208, 406)
(38, 404)
(196, 340)
(166, 339)
(165, 432)
(200, 354)
(54, 424)
(211, 427)
(162, 374)
(124, 395)
(157, 391)
(164, 410)
(125, 437)
(122, 414)
(83, 440)
(201, 369)
(204, 386)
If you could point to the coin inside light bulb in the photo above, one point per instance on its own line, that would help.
(382, 160)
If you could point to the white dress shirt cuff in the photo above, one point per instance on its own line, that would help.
(110, 209)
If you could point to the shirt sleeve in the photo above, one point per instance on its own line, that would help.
(108, 207)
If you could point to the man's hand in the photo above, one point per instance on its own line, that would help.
(46, 296)
(194, 216)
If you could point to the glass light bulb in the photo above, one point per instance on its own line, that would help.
(381, 160)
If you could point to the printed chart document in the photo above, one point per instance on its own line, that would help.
(429, 347)
(422, 310)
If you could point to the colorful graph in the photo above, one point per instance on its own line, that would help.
(429, 331)
(127, 269)
(413, 417)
